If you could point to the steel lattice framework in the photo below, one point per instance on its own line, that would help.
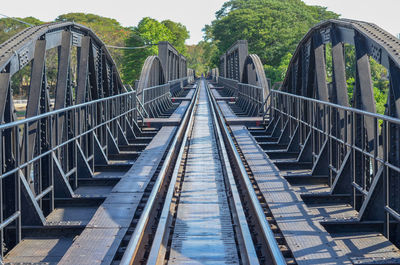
(343, 138)
(44, 156)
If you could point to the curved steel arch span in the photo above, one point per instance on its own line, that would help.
(152, 74)
(306, 73)
(81, 136)
(47, 155)
(357, 149)
(253, 74)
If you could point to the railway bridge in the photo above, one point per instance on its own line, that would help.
(177, 170)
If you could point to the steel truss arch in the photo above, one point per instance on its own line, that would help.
(306, 74)
(253, 89)
(46, 156)
(341, 143)
(152, 75)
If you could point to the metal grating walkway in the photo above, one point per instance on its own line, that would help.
(203, 231)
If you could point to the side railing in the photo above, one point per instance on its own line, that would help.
(335, 140)
(177, 85)
(68, 143)
(140, 113)
(155, 100)
(230, 85)
(249, 98)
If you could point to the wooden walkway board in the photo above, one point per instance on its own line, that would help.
(309, 241)
(100, 239)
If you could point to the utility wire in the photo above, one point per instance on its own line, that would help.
(130, 48)
(108, 46)
(16, 19)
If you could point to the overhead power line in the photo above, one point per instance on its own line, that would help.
(16, 19)
(130, 48)
(108, 46)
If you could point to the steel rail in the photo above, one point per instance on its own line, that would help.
(157, 254)
(250, 254)
(134, 242)
(267, 233)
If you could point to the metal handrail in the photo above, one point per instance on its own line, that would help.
(344, 108)
(59, 111)
(53, 149)
(323, 121)
(268, 108)
(143, 109)
(249, 97)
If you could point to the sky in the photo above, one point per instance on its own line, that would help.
(384, 13)
(194, 14)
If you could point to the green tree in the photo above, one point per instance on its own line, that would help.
(379, 78)
(273, 28)
(108, 30)
(200, 56)
(148, 32)
(9, 27)
(180, 35)
(277, 74)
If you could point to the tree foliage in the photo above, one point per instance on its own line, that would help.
(273, 28)
(108, 30)
(180, 35)
(379, 78)
(200, 56)
(9, 27)
(149, 32)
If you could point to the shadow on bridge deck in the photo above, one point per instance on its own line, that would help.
(303, 220)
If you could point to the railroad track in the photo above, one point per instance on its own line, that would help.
(203, 206)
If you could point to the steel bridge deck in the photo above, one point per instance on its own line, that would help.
(203, 232)
(101, 173)
(302, 219)
(100, 226)
(101, 238)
